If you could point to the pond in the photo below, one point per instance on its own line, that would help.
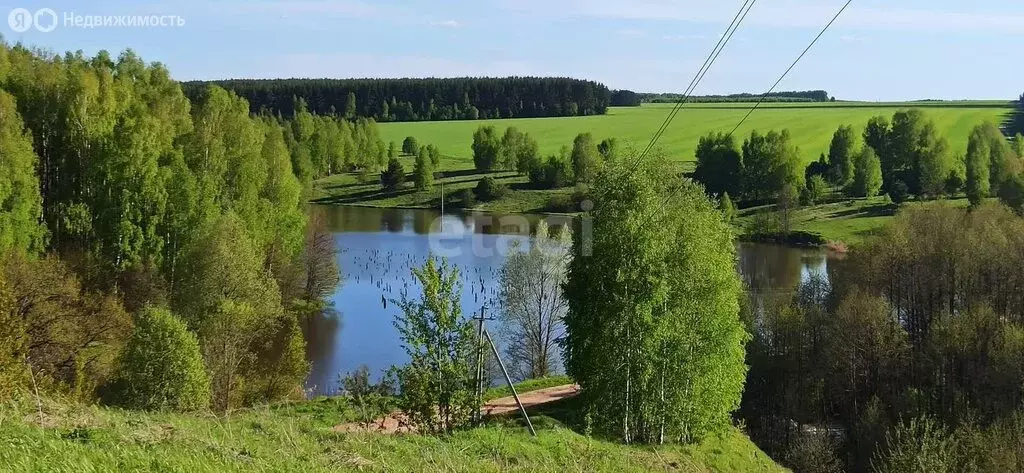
(379, 247)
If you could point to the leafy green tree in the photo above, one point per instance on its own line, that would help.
(435, 156)
(585, 158)
(816, 190)
(934, 161)
(867, 176)
(876, 137)
(1018, 145)
(392, 152)
(841, 154)
(719, 164)
(393, 177)
(978, 166)
(658, 349)
(1003, 160)
(518, 151)
(486, 148)
(770, 163)
(162, 367)
(423, 173)
(436, 386)
(21, 206)
(410, 146)
(900, 159)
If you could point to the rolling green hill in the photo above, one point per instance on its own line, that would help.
(64, 437)
(811, 124)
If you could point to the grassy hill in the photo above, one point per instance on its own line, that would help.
(64, 437)
(812, 125)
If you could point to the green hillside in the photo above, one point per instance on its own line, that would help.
(812, 125)
(60, 437)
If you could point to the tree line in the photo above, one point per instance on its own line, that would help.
(791, 96)
(903, 157)
(908, 352)
(154, 251)
(403, 100)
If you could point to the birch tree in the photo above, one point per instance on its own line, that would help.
(653, 334)
(532, 304)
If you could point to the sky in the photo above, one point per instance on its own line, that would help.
(877, 50)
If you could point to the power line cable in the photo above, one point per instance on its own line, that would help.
(723, 40)
(763, 97)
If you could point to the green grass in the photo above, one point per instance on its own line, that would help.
(74, 438)
(848, 221)
(526, 386)
(811, 125)
(347, 189)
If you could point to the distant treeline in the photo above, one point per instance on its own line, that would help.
(791, 96)
(422, 99)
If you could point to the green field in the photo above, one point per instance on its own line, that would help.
(52, 436)
(811, 125)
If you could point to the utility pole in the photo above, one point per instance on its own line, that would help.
(480, 361)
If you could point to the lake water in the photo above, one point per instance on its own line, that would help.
(379, 247)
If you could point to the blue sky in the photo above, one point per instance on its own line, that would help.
(878, 50)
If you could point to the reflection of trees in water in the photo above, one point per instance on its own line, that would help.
(771, 272)
(321, 332)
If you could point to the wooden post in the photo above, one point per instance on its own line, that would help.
(477, 416)
(510, 385)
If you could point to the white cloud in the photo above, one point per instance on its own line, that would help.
(787, 14)
(345, 65)
(445, 24)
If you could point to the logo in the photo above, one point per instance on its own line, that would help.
(21, 20)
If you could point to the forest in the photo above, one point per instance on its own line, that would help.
(154, 252)
(784, 96)
(403, 100)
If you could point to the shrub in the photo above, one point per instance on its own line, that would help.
(162, 367)
(917, 446)
(371, 401)
(488, 189)
(813, 453)
(410, 146)
(899, 192)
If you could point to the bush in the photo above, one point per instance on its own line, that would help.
(899, 192)
(371, 401)
(410, 146)
(162, 367)
(488, 189)
(921, 445)
(813, 453)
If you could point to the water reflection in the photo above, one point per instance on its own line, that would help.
(378, 247)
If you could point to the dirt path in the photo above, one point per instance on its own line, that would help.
(396, 422)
